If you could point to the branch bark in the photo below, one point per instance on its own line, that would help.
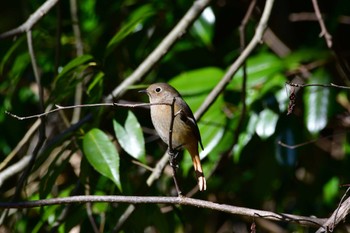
(235, 210)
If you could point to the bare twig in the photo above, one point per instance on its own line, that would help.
(59, 108)
(324, 31)
(238, 62)
(157, 171)
(244, 80)
(32, 20)
(173, 153)
(309, 221)
(178, 31)
(292, 147)
(123, 218)
(42, 136)
(317, 85)
(80, 51)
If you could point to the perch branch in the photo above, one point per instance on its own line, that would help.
(235, 210)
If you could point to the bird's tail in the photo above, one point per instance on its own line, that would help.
(202, 183)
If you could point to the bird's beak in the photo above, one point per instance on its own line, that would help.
(143, 91)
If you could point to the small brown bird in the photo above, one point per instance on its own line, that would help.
(185, 130)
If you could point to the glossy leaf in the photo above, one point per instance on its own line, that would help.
(331, 190)
(74, 63)
(203, 27)
(131, 137)
(259, 69)
(197, 81)
(134, 23)
(266, 124)
(102, 155)
(317, 102)
(245, 136)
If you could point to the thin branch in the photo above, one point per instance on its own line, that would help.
(173, 153)
(171, 126)
(178, 31)
(317, 85)
(14, 169)
(292, 147)
(158, 169)
(324, 31)
(32, 20)
(239, 61)
(4, 175)
(79, 51)
(123, 218)
(19, 146)
(59, 108)
(42, 127)
(304, 220)
(242, 29)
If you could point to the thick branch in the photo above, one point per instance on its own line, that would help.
(309, 221)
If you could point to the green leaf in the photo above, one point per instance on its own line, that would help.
(12, 52)
(331, 190)
(245, 136)
(203, 27)
(259, 69)
(98, 78)
(197, 81)
(317, 102)
(134, 22)
(131, 137)
(74, 63)
(266, 124)
(102, 155)
(302, 56)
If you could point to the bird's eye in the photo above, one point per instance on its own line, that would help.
(158, 89)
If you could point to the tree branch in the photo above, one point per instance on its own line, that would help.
(235, 210)
(32, 20)
(59, 108)
(338, 215)
(178, 31)
(324, 31)
(238, 62)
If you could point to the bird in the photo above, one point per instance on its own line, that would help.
(185, 131)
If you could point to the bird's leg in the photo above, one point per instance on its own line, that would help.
(174, 165)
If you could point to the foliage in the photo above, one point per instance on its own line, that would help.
(110, 151)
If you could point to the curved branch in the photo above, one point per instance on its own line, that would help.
(181, 200)
(32, 20)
